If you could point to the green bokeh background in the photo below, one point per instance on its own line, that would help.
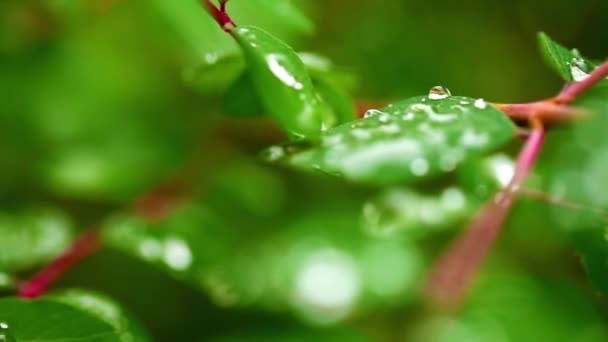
(96, 108)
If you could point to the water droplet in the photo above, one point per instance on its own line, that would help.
(333, 139)
(578, 69)
(360, 133)
(439, 93)
(5, 334)
(480, 103)
(211, 58)
(390, 128)
(408, 116)
(177, 254)
(327, 285)
(276, 64)
(419, 167)
(470, 138)
(464, 102)
(274, 153)
(371, 112)
(384, 118)
(453, 199)
(450, 160)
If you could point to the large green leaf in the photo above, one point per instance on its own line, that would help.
(405, 142)
(70, 316)
(32, 237)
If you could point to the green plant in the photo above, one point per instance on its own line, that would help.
(413, 171)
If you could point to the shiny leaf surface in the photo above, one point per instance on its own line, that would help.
(404, 142)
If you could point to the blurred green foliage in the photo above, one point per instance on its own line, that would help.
(103, 100)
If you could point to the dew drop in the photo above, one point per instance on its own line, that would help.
(371, 112)
(384, 118)
(360, 133)
(578, 69)
(480, 103)
(419, 167)
(439, 93)
(274, 153)
(5, 334)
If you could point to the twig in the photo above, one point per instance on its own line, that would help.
(220, 15)
(87, 244)
(455, 270)
(573, 91)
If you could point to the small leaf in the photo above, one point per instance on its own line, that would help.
(241, 99)
(404, 142)
(32, 237)
(282, 82)
(567, 63)
(340, 102)
(215, 74)
(70, 316)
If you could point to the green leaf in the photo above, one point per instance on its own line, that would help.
(405, 142)
(282, 82)
(278, 265)
(340, 102)
(74, 315)
(31, 238)
(567, 63)
(241, 98)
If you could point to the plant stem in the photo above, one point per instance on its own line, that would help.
(456, 268)
(548, 111)
(153, 206)
(85, 245)
(573, 91)
(220, 15)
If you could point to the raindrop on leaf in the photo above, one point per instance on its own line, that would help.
(439, 93)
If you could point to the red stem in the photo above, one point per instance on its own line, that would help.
(571, 92)
(456, 268)
(153, 206)
(220, 15)
(85, 245)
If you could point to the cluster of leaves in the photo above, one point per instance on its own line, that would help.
(377, 197)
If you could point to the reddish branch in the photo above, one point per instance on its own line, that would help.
(574, 90)
(454, 272)
(152, 206)
(220, 15)
(87, 244)
(556, 108)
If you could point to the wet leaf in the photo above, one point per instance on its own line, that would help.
(567, 63)
(282, 83)
(70, 316)
(405, 142)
